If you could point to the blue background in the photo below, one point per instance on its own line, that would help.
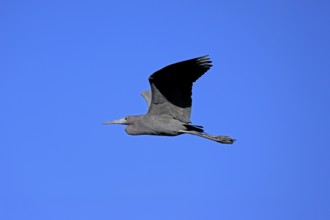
(68, 66)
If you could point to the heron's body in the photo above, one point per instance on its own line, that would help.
(169, 103)
(153, 125)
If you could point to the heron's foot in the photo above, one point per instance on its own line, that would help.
(223, 139)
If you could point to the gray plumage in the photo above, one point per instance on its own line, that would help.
(147, 96)
(169, 102)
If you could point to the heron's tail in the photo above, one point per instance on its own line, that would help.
(191, 127)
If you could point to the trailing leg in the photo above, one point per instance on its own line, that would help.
(219, 139)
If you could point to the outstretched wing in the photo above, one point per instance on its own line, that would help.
(171, 87)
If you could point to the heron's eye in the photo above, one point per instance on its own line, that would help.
(126, 118)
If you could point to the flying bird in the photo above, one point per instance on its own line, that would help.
(169, 103)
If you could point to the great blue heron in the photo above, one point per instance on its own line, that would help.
(169, 103)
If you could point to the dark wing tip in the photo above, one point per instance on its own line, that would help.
(204, 61)
(190, 69)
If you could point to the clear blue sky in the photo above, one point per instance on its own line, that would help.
(68, 66)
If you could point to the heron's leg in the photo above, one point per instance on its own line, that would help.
(219, 139)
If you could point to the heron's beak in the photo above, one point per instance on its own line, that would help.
(122, 121)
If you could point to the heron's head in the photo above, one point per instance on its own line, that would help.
(122, 121)
(132, 123)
